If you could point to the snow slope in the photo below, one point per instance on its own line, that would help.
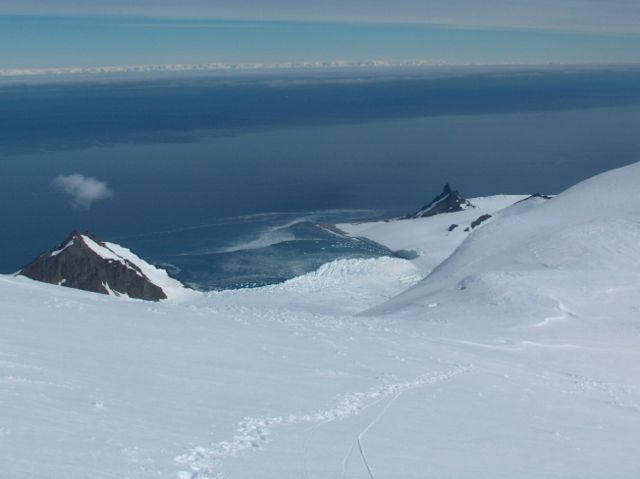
(173, 288)
(429, 237)
(517, 357)
(581, 247)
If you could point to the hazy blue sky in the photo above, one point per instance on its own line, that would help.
(598, 15)
(66, 33)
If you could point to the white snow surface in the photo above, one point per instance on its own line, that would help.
(515, 358)
(585, 242)
(173, 288)
(104, 251)
(429, 237)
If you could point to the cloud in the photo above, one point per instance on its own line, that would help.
(82, 190)
(219, 67)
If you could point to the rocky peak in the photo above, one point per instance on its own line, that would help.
(85, 262)
(446, 202)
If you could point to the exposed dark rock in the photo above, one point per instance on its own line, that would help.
(541, 195)
(446, 202)
(478, 221)
(536, 195)
(452, 227)
(76, 264)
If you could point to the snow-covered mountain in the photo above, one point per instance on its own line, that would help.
(509, 350)
(585, 243)
(448, 201)
(83, 261)
(431, 239)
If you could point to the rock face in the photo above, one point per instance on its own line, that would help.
(478, 221)
(446, 202)
(84, 262)
(537, 195)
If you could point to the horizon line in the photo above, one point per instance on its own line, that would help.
(329, 65)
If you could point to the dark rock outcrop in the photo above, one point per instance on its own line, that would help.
(446, 202)
(84, 262)
(478, 221)
(541, 195)
(534, 196)
(452, 227)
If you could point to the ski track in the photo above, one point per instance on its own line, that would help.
(347, 458)
(252, 433)
(520, 345)
(375, 420)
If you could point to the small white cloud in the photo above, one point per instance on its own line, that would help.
(82, 190)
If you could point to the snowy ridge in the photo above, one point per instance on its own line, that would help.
(173, 288)
(105, 252)
(587, 230)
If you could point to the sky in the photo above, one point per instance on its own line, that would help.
(584, 15)
(89, 33)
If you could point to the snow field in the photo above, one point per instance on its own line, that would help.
(508, 352)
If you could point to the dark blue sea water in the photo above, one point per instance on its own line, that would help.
(224, 181)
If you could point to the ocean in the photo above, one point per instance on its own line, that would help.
(228, 181)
